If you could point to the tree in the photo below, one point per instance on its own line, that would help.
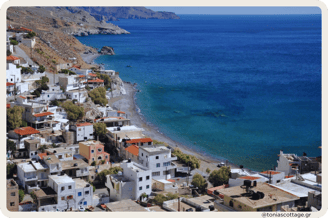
(74, 112)
(11, 170)
(14, 117)
(13, 42)
(100, 129)
(65, 71)
(26, 70)
(190, 160)
(41, 69)
(101, 177)
(208, 170)
(106, 78)
(11, 146)
(54, 102)
(33, 196)
(200, 182)
(159, 199)
(8, 52)
(219, 177)
(98, 95)
(30, 35)
(24, 123)
(21, 195)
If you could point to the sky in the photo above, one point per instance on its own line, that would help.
(239, 10)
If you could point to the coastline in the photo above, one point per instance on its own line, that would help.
(128, 104)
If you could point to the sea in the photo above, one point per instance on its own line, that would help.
(236, 87)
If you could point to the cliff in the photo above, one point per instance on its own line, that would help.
(115, 13)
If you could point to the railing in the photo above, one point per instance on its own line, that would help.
(31, 178)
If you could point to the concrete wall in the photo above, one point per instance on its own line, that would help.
(84, 131)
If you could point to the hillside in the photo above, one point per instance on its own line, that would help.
(115, 13)
(55, 27)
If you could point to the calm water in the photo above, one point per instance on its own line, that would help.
(236, 87)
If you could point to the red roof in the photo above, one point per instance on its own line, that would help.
(171, 180)
(119, 118)
(249, 177)
(133, 149)
(143, 140)
(77, 67)
(42, 114)
(12, 58)
(96, 81)
(289, 176)
(92, 74)
(22, 97)
(270, 171)
(81, 76)
(83, 124)
(10, 84)
(41, 155)
(120, 112)
(8, 105)
(23, 28)
(26, 131)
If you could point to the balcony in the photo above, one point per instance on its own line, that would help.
(30, 178)
(81, 173)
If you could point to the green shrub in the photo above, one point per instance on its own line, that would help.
(200, 182)
(8, 52)
(187, 159)
(21, 194)
(74, 112)
(53, 61)
(11, 170)
(98, 95)
(24, 123)
(13, 42)
(220, 177)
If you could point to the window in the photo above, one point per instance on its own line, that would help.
(69, 187)
(106, 157)
(91, 134)
(48, 96)
(149, 143)
(147, 177)
(278, 181)
(141, 154)
(147, 187)
(53, 89)
(99, 158)
(63, 198)
(166, 164)
(99, 149)
(13, 194)
(92, 151)
(167, 172)
(140, 179)
(156, 173)
(93, 159)
(85, 203)
(86, 192)
(12, 203)
(157, 157)
(79, 194)
(140, 188)
(79, 129)
(158, 165)
(63, 188)
(69, 197)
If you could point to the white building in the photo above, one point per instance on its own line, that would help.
(273, 176)
(83, 131)
(80, 71)
(131, 184)
(79, 95)
(61, 153)
(159, 160)
(54, 92)
(72, 82)
(71, 193)
(13, 76)
(32, 175)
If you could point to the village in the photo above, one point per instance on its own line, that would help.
(68, 149)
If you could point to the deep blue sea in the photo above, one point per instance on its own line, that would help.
(239, 87)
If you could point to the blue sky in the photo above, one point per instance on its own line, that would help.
(239, 10)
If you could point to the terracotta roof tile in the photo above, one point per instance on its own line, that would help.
(8, 105)
(26, 131)
(92, 74)
(133, 149)
(249, 177)
(83, 124)
(22, 97)
(96, 81)
(12, 58)
(120, 112)
(10, 84)
(143, 140)
(42, 114)
(41, 155)
(81, 76)
(77, 67)
(270, 171)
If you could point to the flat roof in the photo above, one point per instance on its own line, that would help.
(80, 183)
(58, 150)
(125, 129)
(61, 179)
(32, 166)
(124, 206)
(155, 149)
(293, 188)
(272, 195)
(69, 164)
(204, 200)
(52, 159)
(92, 142)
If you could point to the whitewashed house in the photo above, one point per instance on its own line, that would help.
(80, 71)
(79, 95)
(13, 76)
(54, 92)
(158, 159)
(83, 131)
(72, 82)
(131, 183)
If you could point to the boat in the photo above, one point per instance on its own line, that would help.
(128, 66)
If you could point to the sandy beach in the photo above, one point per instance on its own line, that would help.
(89, 58)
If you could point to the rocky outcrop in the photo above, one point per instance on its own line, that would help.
(107, 50)
(128, 13)
(117, 87)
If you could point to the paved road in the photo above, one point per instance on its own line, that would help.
(20, 53)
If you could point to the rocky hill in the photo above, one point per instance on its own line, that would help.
(55, 27)
(115, 13)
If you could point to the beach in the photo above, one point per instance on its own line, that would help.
(127, 104)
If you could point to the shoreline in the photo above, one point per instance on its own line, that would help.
(127, 103)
